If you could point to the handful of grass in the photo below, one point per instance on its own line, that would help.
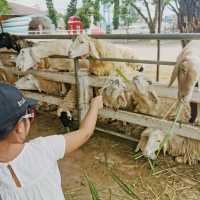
(93, 190)
(128, 189)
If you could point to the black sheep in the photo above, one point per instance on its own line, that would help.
(13, 42)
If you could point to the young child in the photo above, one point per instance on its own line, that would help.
(29, 170)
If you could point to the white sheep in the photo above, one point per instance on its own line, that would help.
(185, 150)
(187, 70)
(86, 46)
(136, 96)
(116, 94)
(144, 97)
(29, 57)
(36, 83)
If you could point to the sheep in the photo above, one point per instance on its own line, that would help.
(66, 107)
(57, 64)
(8, 57)
(29, 57)
(185, 150)
(68, 103)
(137, 96)
(187, 71)
(116, 94)
(145, 98)
(85, 46)
(31, 82)
(13, 42)
(7, 77)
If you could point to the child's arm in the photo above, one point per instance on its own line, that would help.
(75, 139)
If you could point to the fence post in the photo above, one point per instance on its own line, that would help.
(83, 90)
(158, 42)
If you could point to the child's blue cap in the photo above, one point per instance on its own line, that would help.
(12, 106)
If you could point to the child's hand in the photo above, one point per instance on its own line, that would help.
(97, 102)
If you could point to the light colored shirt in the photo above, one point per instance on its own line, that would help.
(36, 169)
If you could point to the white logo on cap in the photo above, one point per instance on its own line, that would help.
(21, 102)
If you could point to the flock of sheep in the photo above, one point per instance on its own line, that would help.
(131, 90)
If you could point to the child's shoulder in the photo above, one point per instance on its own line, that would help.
(53, 145)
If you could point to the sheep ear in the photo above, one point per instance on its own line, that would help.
(94, 52)
(37, 85)
(153, 96)
(138, 86)
(122, 101)
(174, 75)
(3, 76)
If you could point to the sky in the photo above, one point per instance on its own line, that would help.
(60, 5)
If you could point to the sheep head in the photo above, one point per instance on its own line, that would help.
(9, 41)
(13, 42)
(188, 73)
(144, 97)
(25, 60)
(28, 82)
(150, 142)
(83, 46)
(115, 94)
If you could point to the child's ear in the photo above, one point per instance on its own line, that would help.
(19, 127)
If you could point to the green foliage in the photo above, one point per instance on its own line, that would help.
(71, 10)
(128, 14)
(97, 16)
(85, 17)
(4, 7)
(88, 9)
(116, 14)
(51, 12)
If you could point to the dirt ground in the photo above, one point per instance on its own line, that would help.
(169, 181)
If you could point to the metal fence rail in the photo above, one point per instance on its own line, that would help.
(171, 36)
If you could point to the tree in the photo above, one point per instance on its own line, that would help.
(51, 12)
(188, 15)
(128, 14)
(97, 16)
(88, 10)
(116, 14)
(4, 7)
(116, 11)
(151, 17)
(71, 10)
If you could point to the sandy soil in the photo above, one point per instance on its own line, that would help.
(169, 180)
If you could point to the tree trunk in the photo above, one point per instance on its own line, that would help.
(116, 14)
(189, 17)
